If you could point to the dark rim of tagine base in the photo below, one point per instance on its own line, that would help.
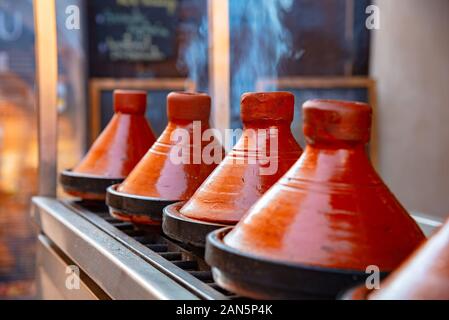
(188, 231)
(315, 232)
(252, 276)
(239, 180)
(117, 150)
(157, 181)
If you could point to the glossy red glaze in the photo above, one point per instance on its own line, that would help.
(331, 209)
(157, 176)
(424, 276)
(124, 141)
(238, 182)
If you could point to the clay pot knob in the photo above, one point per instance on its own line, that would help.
(188, 106)
(332, 121)
(273, 106)
(130, 102)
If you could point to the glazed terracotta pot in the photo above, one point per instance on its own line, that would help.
(173, 169)
(331, 210)
(245, 174)
(359, 293)
(120, 146)
(425, 274)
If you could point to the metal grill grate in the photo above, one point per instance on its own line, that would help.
(184, 264)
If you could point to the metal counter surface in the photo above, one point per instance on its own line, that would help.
(115, 265)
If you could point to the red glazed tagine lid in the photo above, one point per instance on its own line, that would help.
(331, 210)
(263, 154)
(124, 141)
(170, 174)
(117, 150)
(424, 276)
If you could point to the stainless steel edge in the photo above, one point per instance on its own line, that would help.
(180, 276)
(115, 269)
(52, 276)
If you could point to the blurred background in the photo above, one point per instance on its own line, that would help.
(392, 54)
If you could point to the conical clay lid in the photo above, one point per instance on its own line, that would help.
(264, 153)
(331, 209)
(174, 168)
(124, 141)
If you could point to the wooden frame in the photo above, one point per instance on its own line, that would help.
(46, 51)
(96, 86)
(220, 63)
(331, 83)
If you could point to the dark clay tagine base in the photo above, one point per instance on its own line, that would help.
(86, 187)
(139, 210)
(260, 278)
(183, 229)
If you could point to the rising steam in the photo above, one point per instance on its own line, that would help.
(259, 41)
(193, 54)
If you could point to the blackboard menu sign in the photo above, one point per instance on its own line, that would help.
(132, 31)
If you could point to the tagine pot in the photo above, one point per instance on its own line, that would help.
(319, 228)
(423, 276)
(263, 154)
(117, 150)
(173, 169)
